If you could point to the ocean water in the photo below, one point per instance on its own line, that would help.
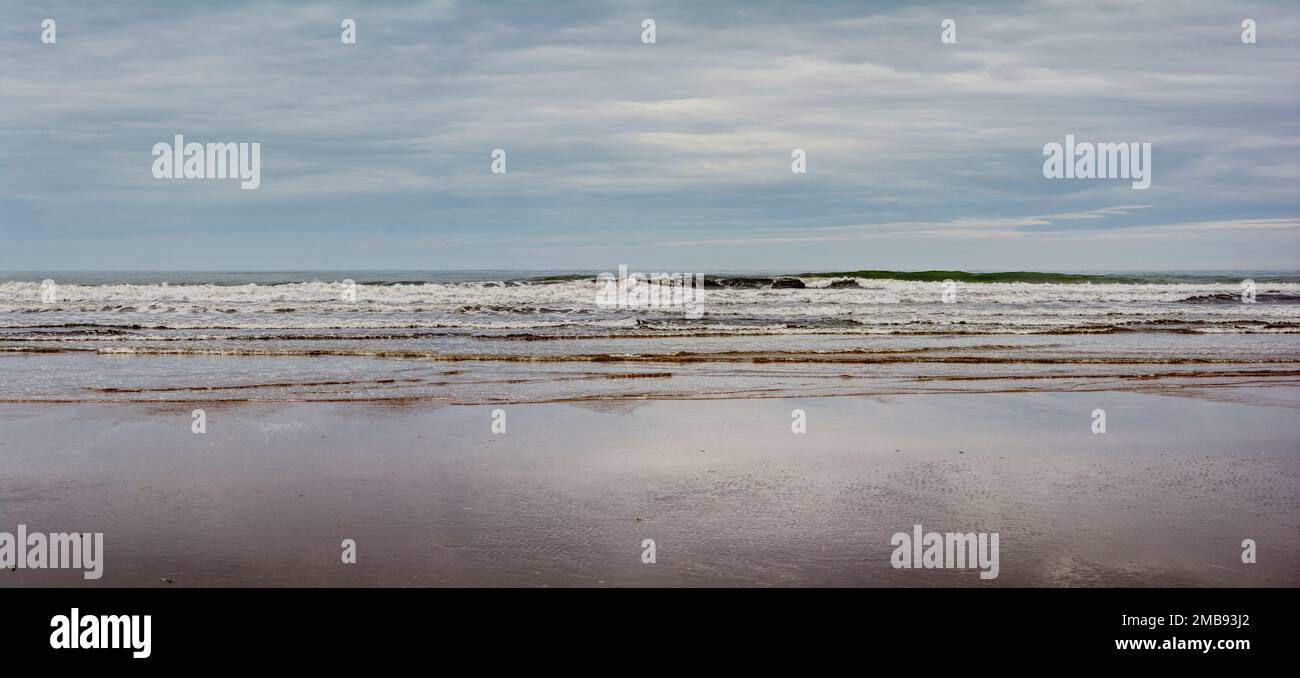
(534, 336)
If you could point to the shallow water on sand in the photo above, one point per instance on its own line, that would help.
(731, 497)
(737, 367)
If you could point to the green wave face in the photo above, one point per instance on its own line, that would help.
(1152, 278)
(965, 276)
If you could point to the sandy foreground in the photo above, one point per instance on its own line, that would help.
(730, 496)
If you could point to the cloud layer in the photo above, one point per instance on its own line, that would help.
(677, 154)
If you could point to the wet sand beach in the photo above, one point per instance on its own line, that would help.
(730, 496)
(366, 412)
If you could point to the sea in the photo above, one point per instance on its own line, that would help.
(483, 337)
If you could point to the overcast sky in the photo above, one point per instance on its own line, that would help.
(671, 156)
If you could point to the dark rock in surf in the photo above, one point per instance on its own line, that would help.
(746, 283)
